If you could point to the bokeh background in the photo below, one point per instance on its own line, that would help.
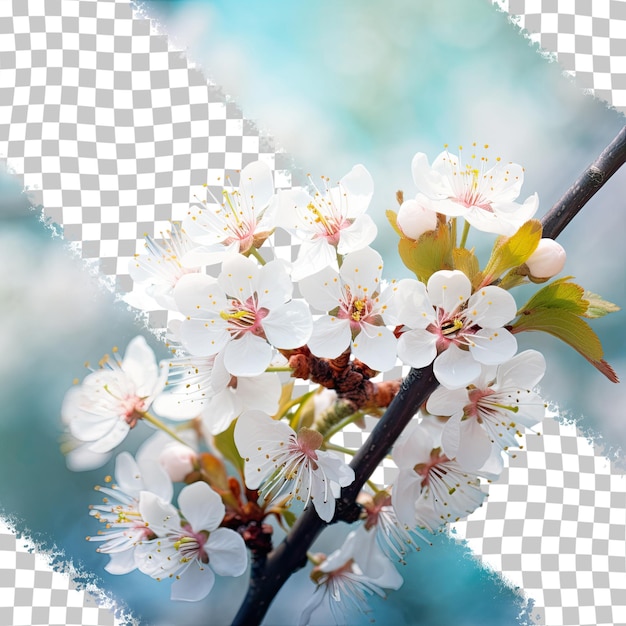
(335, 84)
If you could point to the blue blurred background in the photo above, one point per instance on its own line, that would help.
(336, 84)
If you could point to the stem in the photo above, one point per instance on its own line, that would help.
(159, 424)
(339, 426)
(285, 368)
(585, 187)
(466, 229)
(290, 555)
(257, 255)
(336, 448)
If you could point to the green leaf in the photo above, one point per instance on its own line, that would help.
(510, 252)
(560, 294)
(557, 309)
(430, 253)
(597, 306)
(289, 517)
(565, 325)
(225, 444)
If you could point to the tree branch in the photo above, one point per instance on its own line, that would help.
(290, 555)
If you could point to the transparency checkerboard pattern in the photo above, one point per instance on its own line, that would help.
(587, 37)
(109, 128)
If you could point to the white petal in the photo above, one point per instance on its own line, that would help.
(358, 235)
(239, 277)
(455, 368)
(412, 305)
(491, 307)
(140, 365)
(261, 392)
(322, 290)
(227, 552)
(220, 412)
(376, 347)
(194, 584)
(361, 269)
(314, 256)
(492, 347)
(198, 292)
(289, 325)
(359, 186)
(274, 285)
(256, 185)
(404, 494)
(113, 438)
(523, 371)
(331, 336)
(427, 180)
(476, 446)
(127, 474)
(248, 356)
(417, 348)
(445, 402)
(451, 436)
(121, 562)
(204, 337)
(201, 506)
(449, 289)
(161, 516)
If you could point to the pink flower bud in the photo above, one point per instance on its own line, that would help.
(177, 461)
(415, 217)
(547, 260)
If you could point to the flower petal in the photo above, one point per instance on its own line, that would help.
(227, 552)
(376, 347)
(492, 347)
(201, 506)
(288, 326)
(194, 584)
(449, 289)
(248, 356)
(417, 348)
(455, 368)
(331, 336)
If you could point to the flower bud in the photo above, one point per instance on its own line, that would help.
(415, 217)
(178, 461)
(547, 260)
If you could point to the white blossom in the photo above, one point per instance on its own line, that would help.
(482, 194)
(190, 547)
(358, 309)
(286, 465)
(111, 400)
(329, 223)
(455, 328)
(489, 412)
(243, 314)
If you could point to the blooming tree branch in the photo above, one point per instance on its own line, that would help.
(269, 574)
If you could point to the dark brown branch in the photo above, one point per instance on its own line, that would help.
(290, 555)
(585, 187)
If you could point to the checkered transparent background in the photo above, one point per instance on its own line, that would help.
(109, 128)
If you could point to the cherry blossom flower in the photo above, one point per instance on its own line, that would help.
(432, 489)
(189, 547)
(345, 583)
(110, 401)
(125, 527)
(161, 268)
(481, 194)
(202, 386)
(456, 328)
(243, 313)
(244, 219)
(288, 465)
(329, 223)
(395, 538)
(176, 458)
(489, 412)
(358, 310)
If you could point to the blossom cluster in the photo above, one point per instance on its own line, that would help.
(247, 320)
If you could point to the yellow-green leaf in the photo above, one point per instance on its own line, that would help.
(466, 261)
(430, 253)
(598, 307)
(392, 216)
(559, 294)
(509, 252)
